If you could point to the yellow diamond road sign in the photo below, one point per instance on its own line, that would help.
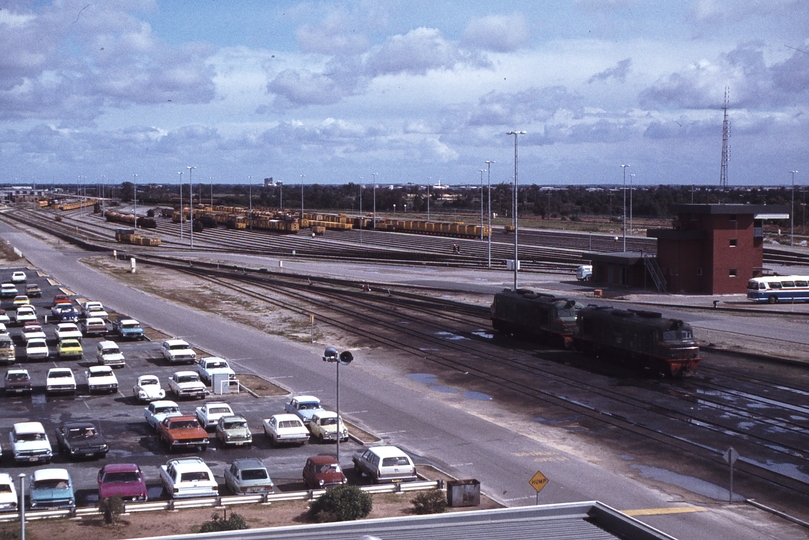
(538, 481)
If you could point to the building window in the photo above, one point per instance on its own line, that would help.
(732, 272)
(734, 242)
(733, 217)
(699, 271)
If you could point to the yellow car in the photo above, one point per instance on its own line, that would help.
(70, 348)
(21, 300)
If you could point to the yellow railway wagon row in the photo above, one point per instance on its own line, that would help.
(74, 205)
(443, 228)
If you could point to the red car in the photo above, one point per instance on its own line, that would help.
(323, 471)
(123, 479)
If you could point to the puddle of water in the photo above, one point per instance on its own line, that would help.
(450, 336)
(477, 395)
(690, 483)
(483, 334)
(426, 378)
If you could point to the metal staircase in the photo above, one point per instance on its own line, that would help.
(650, 262)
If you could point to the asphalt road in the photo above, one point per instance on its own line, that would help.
(431, 428)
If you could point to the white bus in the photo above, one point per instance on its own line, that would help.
(774, 289)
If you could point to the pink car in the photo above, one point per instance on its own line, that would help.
(123, 479)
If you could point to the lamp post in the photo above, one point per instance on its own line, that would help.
(361, 186)
(481, 202)
(211, 179)
(281, 187)
(631, 190)
(624, 218)
(302, 196)
(514, 211)
(792, 212)
(135, 197)
(428, 197)
(180, 173)
(191, 203)
(331, 355)
(21, 476)
(374, 175)
(489, 212)
(250, 203)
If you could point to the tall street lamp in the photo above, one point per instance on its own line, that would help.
(489, 213)
(302, 196)
(514, 210)
(631, 189)
(21, 476)
(624, 218)
(211, 179)
(135, 196)
(792, 212)
(361, 186)
(180, 173)
(481, 202)
(428, 197)
(191, 203)
(250, 204)
(374, 175)
(332, 356)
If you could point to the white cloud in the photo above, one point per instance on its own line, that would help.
(498, 33)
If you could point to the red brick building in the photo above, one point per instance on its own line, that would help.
(713, 248)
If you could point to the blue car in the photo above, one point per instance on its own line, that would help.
(51, 488)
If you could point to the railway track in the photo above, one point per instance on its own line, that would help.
(659, 411)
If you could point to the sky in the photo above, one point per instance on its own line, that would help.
(397, 91)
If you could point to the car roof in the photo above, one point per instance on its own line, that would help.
(59, 370)
(387, 451)
(213, 359)
(107, 343)
(285, 416)
(51, 474)
(249, 463)
(326, 414)
(233, 418)
(164, 403)
(176, 342)
(77, 425)
(128, 321)
(149, 376)
(187, 463)
(305, 398)
(5, 478)
(97, 320)
(105, 369)
(17, 370)
(29, 427)
(323, 458)
(194, 373)
(121, 467)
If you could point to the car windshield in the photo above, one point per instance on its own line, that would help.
(187, 378)
(81, 432)
(328, 468)
(194, 476)
(184, 424)
(120, 477)
(309, 406)
(178, 347)
(254, 474)
(167, 410)
(216, 365)
(328, 421)
(31, 437)
(17, 377)
(289, 424)
(219, 410)
(394, 461)
(148, 382)
(59, 374)
(235, 425)
(5, 488)
(131, 325)
(54, 483)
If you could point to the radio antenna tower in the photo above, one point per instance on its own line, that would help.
(723, 174)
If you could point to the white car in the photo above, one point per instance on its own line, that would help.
(94, 309)
(8, 290)
(324, 427)
(68, 330)
(285, 428)
(30, 443)
(148, 389)
(32, 331)
(94, 326)
(384, 464)
(210, 413)
(8, 493)
(187, 384)
(101, 379)
(60, 381)
(177, 351)
(36, 349)
(211, 366)
(109, 354)
(19, 277)
(25, 314)
(188, 477)
(157, 411)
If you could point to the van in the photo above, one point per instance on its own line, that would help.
(7, 352)
(584, 272)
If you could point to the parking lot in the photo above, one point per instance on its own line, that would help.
(121, 418)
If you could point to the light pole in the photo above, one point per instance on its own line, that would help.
(361, 186)
(374, 175)
(624, 218)
(792, 212)
(191, 203)
(281, 186)
(180, 173)
(302, 196)
(211, 179)
(481, 203)
(21, 476)
(428, 197)
(631, 189)
(331, 355)
(489, 213)
(135, 196)
(250, 204)
(514, 211)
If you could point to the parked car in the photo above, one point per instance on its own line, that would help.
(285, 428)
(109, 354)
(4, 318)
(128, 328)
(178, 432)
(81, 439)
(18, 381)
(8, 353)
(187, 384)
(68, 330)
(24, 314)
(124, 480)
(8, 290)
(323, 471)
(37, 349)
(51, 488)
(29, 443)
(147, 388)
(210, 413)
(94, 309)
(177, 351)
(8, 493)
(213, 365)
(384, 464)
(94, 326)
(33, 290)
(159, 410)
(304, 407)
(324, 427)
(69, 348)
(233, 431)
(188, 477)
(248, 477)
(21, 300)
(32, 330)
(61, 300)
(101, 379)
(64, 313)
(18, 277)
(60, 381)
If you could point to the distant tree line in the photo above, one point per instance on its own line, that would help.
(569, 202)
